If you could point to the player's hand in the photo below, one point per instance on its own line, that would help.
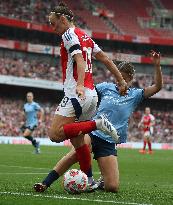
(155, 58)
(122, 87)
(80, 90)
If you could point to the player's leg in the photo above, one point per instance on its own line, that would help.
(143, 150)
(28, 135)
(60, 168)
(65, 127)
(150, 140)
(106, 156)
(149, 145)
(109, 169)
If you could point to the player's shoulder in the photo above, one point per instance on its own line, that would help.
(34, 103)
(67, 36)
(135, 90)
(105, 84)
(71, 33)
(151, 116)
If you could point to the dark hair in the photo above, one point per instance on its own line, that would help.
(63, 10)
(126, 67)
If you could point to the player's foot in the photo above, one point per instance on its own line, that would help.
(106, 127)
(91, 187)
(150, 152)
(100, 183)
(142, 151)
(39, 187)
(37, 148)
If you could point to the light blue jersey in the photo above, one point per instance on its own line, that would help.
(117, 108)
(31, 110)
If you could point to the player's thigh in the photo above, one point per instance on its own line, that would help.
(27, 132)
(56, 126)
(109, 169)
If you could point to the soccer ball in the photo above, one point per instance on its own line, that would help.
(75, 181)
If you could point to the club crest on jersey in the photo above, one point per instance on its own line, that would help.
(85, 37)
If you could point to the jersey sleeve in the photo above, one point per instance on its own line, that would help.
(37, 107)
(152, 117)
(96, 48)
(101, 87)
(139, 96)
(71, 42)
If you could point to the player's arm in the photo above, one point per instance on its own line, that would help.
(101, 56)
(41, 115)
(72, 44)
(158, 83)
(81, 74)
(23, 116)
(152, 121)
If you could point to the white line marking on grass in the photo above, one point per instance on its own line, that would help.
(27, 173)
(3, 165)
(48, 169)
(69, 198)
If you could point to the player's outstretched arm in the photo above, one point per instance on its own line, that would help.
(101, 56)
(158, 82)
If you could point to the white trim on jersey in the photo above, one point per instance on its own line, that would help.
(96, 49)
(76, 52)
(70, 39)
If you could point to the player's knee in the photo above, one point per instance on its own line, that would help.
(112, 187)
(55, 135)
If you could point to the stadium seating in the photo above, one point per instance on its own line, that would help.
(126, 14)
(36, 69)
(167, 4)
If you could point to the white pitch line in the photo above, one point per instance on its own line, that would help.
(48, 169)
(3, 165)
(70, 198)
(19, 173)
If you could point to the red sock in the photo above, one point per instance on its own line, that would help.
(144, 145)
(74, 129)
(149, 146)
(84, 157)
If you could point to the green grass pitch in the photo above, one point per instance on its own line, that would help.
(144, 179)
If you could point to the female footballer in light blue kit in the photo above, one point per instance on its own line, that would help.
(31, 110)
(118, 110)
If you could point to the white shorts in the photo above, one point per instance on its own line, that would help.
(82, 109)
(149, 133)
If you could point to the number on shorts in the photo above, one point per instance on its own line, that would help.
(64, 101)
(88, 53)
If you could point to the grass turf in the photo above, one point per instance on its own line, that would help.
(144, 179)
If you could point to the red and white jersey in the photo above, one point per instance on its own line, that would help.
(146, 121)
(77, 41)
